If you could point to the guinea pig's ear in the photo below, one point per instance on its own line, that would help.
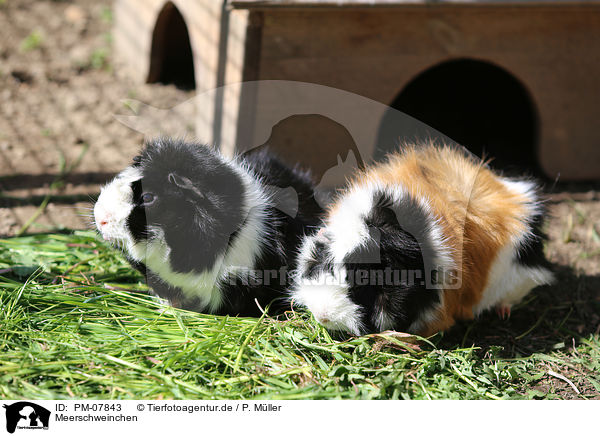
(184, 183)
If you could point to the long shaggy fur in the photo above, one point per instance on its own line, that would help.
(210, 234)
(427, 238)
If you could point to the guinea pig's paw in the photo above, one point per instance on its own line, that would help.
(503, 310)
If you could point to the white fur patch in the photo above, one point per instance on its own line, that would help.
(346, 226)
(524, 187)
(204, 286)
(528, 190)
(113, 207)
(251, 239)
(509, 282)
(326, 296)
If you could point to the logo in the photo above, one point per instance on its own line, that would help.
(26, 415)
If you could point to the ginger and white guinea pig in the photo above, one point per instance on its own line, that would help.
(207, 231)
(416, 243)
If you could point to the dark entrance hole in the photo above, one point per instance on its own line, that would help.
(172, 61)
(476, 104)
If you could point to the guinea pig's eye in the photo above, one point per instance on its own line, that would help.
(147, 198)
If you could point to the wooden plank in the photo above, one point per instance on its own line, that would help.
(265, 4)
(552, 51)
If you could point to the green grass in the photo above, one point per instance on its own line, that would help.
(106, 15)
(32, 41)
(99, 58)
(76, 322)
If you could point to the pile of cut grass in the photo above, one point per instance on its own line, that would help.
(76, 322)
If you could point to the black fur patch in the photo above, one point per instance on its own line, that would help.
(531, 252)
(136, 222)
(318, 261)
(388, 272)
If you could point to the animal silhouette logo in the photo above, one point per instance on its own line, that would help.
(335, 176)
(24, 414)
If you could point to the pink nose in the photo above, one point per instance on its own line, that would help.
(103, 219)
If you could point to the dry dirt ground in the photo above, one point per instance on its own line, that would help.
(59, 89)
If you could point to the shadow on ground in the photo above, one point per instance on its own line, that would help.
(550, 318)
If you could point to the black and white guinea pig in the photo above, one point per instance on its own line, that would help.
(208, 232)
(415, 243)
